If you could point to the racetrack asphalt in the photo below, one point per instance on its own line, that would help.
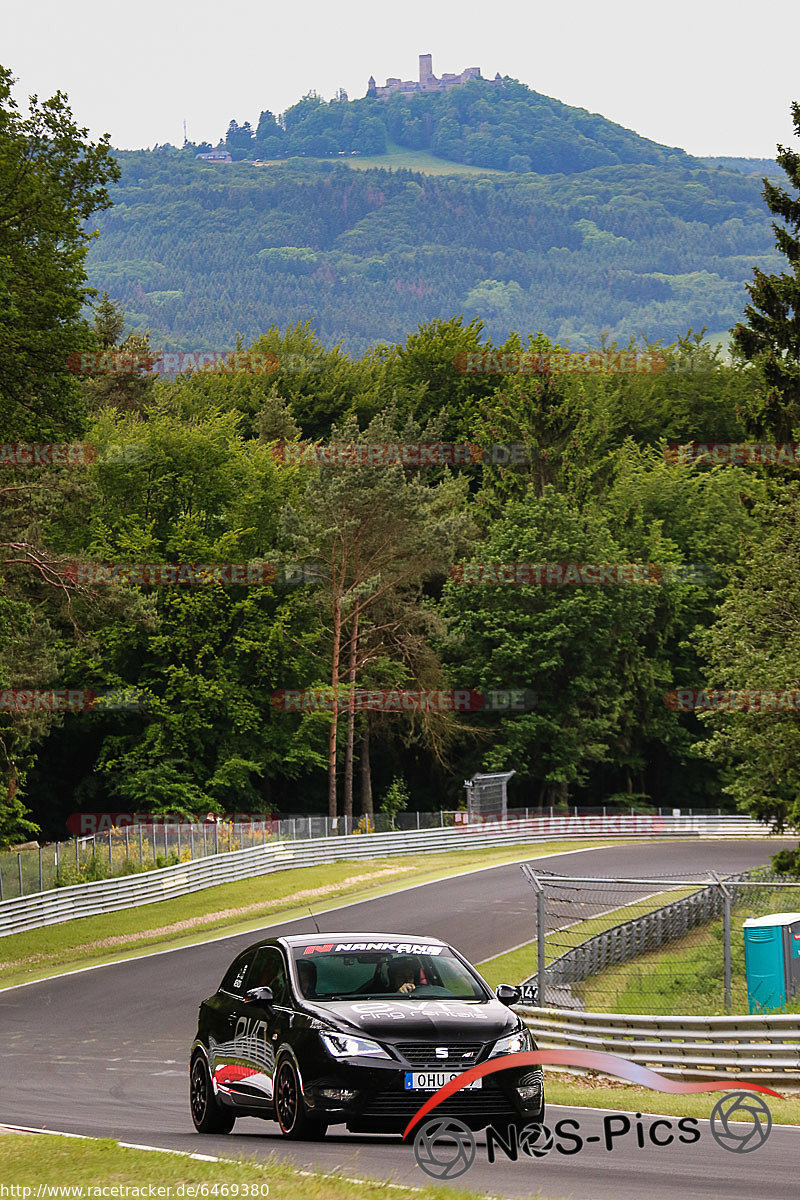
(105, 1051)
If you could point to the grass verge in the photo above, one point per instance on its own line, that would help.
(28, 1160)
(597, 1092)
(240, 907)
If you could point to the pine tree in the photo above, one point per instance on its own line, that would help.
(771, 337)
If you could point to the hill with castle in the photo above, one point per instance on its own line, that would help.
(580, 226)
(499, 124)
(427, 81)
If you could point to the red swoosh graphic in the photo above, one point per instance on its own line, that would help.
(596, 1060)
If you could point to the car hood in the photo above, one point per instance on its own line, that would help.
(403, 1020)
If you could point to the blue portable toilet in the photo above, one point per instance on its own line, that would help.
(772, 960)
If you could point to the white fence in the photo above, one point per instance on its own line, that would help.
(111, 895)
(763, 1049)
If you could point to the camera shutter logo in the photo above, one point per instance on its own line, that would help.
(535, 1140)
(444, 1148)
(741, 1107)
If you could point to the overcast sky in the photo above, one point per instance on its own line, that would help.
(711, 76)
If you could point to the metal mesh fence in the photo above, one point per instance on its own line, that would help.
(657, 946)
(134, 848)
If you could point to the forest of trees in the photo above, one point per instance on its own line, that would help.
(195, 469)
(199, 252)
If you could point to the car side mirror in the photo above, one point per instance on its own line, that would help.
(508, 994)
(262, 995)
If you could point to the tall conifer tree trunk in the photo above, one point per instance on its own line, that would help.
(367, 807)
(347, 802)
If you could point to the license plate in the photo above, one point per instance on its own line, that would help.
(431, 1081)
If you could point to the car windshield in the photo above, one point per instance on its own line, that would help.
(411, 971)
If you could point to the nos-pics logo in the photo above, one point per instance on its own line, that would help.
(445, 1147)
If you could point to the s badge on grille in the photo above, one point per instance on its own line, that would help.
(441, 1051)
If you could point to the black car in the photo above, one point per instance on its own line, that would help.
(356, 1029)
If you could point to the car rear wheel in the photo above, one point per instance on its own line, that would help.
(208, 1114)
(290, 1109)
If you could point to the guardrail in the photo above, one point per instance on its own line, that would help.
(764, 1048)
(111, 895)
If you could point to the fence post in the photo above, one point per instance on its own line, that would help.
(141, 848)
(110, 852)
(191, 831)
(41, 881)
(77, 857)
(417, 820)
(540, 936)
(1, 884)
(441, 817)
(532, 879)
(19, 872)
(216, 837)
(127, 845)
(726, 937)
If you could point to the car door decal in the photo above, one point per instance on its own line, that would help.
(248, 1056)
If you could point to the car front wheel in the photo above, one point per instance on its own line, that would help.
(290, 1110)
(208, 1114)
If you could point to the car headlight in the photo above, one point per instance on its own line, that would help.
(342, 1045)
(513, 1043)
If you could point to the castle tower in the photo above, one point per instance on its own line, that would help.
(425, 69)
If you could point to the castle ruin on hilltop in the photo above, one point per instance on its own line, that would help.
(427, 80)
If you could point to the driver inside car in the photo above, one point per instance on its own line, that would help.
(403, 975)
(307, 977)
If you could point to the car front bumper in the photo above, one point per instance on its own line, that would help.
(369, 1097)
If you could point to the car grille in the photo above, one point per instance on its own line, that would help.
(485, 1102)
(422, 1055)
